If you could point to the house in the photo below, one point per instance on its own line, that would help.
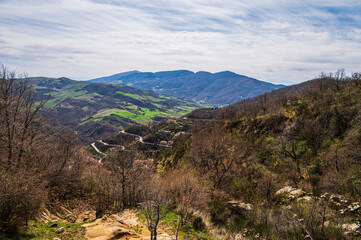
(171, 120)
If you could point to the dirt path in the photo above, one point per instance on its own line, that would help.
(122, 226)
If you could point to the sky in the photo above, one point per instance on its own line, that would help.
(277, 41)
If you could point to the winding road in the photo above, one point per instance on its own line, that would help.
(122, 147)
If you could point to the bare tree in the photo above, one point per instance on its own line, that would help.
(339, 76)
(19, 108)
(122, 164)
(214, 154)
(263, 101)
(185, 192)
(154, 206)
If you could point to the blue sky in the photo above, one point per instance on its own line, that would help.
(273, 40)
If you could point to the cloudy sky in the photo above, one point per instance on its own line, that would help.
(281, 41)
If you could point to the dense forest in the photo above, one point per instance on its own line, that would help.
(283, 165)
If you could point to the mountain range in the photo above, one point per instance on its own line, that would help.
(216, 89)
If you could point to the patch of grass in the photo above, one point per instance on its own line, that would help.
(58, 97)
(130, 95)
(42, 230)
(90, 120)
(147, 114)
(124, 114)
(169, 222)
(106, 112)
(137, 229)
(165, 97)
(131, 107)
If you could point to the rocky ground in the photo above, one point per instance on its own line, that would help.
(124, 225)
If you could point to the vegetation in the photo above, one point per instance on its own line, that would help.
(40, 230)
(283, 165)
(306, 137)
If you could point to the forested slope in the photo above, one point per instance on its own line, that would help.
(306, 138)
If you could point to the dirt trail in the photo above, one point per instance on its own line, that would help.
(122, 226)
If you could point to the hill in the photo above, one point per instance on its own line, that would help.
(95, 110)
(279, 159)
(216, 89)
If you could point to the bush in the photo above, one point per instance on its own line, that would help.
(20, 199)
(198, 224)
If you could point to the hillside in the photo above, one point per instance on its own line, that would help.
(215, 89)
(95, 110)
(283, 165)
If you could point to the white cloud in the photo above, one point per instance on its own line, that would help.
(280, 41)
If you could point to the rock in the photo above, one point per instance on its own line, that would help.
(305, 199)
(60, 230)
(246, 206)
(164, 236)
(344, 201)
(54, 225)
(290, 192)
(48, 217)
(131, 221)
(118, 232)
(284, 190)
(336, 198)
(71, 218)
(325, 195)
(129, 218)
(107, 231)
(239, 237)
(240, 206)
(352, 227)
(87, 216)
(343, 211)
(354, 207)
(109, 227)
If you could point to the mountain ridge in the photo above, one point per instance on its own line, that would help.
(217, 89)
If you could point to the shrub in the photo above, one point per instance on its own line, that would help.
(20, 199)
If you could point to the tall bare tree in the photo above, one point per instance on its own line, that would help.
(214, 153)
(19, 108)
